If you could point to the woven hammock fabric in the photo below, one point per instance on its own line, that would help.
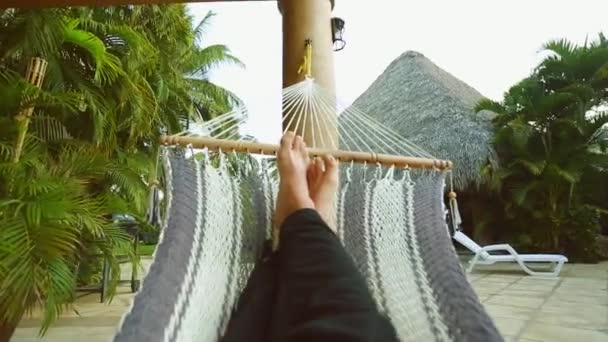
(218, 217)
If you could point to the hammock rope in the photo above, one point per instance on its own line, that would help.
(309, 110)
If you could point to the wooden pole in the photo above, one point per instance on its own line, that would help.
(344, 156)
(309, 20)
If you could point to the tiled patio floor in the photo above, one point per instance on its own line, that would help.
(573, 307)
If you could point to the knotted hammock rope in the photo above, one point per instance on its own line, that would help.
(219, 207)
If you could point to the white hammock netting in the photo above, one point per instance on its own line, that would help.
(219, 214)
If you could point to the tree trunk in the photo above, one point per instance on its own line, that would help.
(34, 75)
(6, 330)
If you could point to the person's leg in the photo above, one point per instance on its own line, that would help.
(251, 317)
(321, 295)
(250, 320)
(292, 162)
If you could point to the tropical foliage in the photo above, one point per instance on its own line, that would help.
(117, 78)
(550, 137)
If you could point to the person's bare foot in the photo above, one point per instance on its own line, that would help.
(292, 161)
(322, 179)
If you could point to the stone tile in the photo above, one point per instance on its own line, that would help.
(490, 284)
(580, 319)
(580, 297)
(556, 333)
(483, 298)
(64, 338)
(484, 291)
(27, 339)
(503, 311)
(68, 334)
(523, 293)
(585, 282)
(472, 277)
(527, 302)
(107, 321)
(509, 326)
(586, 271)
(544, 288)
(536, 285)
(572, 307)
(589, 298)
(582, 288)
(588, 284)
(488, 290)
(531, 279)
(497, 279)
(580, 293)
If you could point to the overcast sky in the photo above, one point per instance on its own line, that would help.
(489, 44)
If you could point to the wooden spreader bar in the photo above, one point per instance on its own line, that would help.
(343, 156)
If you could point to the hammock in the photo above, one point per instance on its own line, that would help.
(219, 207)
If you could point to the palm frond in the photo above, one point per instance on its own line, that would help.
(561, 47)
(107, 66)
(31, 33)
(49, 128)
(201, 28)
(535, 168)
(217, 100)
(60, 286)
(203, 60)
(493, 106)
(558, 172)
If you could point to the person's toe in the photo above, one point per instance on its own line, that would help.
(319, 167)
(331, 167)
(299, 147)
(311, 173)
(287, 141)
(316, 173)
(298, 143)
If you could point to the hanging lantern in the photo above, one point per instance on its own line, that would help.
(337, 31)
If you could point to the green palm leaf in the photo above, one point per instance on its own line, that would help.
(535, 168)
(561, 47)
(49, 129)
(107, 65)
(493, 106)
(200, 62)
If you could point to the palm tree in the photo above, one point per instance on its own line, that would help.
(117, 78)
(549, 142)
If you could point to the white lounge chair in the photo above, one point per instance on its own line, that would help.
(483, 256)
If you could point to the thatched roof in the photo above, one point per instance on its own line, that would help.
(433, 109)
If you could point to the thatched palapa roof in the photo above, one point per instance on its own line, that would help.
(434, 110)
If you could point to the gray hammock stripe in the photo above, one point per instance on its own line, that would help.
(156, 300)
(374, 263)
(234, 261)
(459, 306)
(421, 279)
(200, 186)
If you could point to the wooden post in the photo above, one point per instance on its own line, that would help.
(309, 20)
